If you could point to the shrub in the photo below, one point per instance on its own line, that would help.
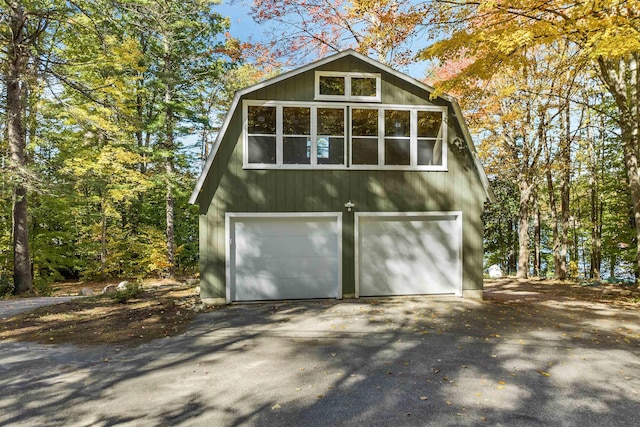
(43, 285)
(132, 291)
(6, 285)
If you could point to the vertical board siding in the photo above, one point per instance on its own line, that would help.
(230, 188)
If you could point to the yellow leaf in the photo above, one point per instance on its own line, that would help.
(546, 374)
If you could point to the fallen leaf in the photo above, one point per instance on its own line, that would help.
(546, 374)
(423, 397)
(275, 407)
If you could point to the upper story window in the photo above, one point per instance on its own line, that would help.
(294, 135)
(397, 137)
(261, 131)
(331, 85)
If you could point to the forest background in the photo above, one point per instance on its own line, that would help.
(110, 106)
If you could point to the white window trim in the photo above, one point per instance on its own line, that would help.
(347, 164)
(347, 86)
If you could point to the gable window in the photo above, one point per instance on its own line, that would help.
(364, 87)
(332, 85)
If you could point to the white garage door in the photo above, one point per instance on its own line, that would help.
(406, 254)
(288, 256)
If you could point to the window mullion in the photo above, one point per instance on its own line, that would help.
(381, 137)
(279, 136)
(314, 135)
(414, 137)
(347, 136)
(350, 136)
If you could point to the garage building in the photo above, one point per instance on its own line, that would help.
(340, 179)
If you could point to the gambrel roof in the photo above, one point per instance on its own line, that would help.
(457, 113)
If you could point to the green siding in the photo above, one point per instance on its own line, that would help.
(230, 188)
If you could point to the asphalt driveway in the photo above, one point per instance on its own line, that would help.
(11, 307)
(406, 361)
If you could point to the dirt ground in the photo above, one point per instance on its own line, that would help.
(164, 308)
(515, 291)
(167, 308)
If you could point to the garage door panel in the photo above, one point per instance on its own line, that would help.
(284, 258)
(300, 240)
(292, 267)
(406, 256)
(276, 247)
(292, 227)
(268, 288)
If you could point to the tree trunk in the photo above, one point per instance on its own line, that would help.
(511, 259)
(565, 184)
(17, 60)
(595, 260)
(103, 239)
(170, 207)
(623, 81)
(537, 242)
(553, 211)
(169, 167)
(523, 228)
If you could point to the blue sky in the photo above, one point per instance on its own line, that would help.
(243, 27)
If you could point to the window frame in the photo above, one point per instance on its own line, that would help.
(347, 83)
(313, 160)
(347, 164)
(413, 138)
